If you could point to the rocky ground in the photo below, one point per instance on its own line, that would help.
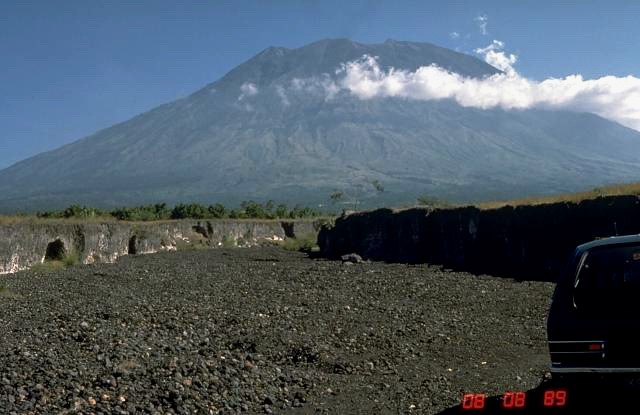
(263, 331)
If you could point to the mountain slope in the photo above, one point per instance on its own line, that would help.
(270, 129)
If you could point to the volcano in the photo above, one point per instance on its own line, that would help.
(275, 127)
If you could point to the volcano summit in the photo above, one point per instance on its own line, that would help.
(281, 126)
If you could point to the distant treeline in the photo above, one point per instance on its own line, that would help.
(160, 211)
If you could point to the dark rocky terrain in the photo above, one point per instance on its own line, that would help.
(531, 242)
(263, 330)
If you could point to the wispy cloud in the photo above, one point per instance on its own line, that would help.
(247, 89)
(615, 98)
(482, 21)
(323, 85)
(454, 35)
(496, 57)
(280, 90)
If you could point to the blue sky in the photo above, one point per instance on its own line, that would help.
(70, 68)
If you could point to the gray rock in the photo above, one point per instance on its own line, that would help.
(353, 258)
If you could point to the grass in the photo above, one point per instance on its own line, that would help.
(190, 246)
(305, 243)
(613, 190)
(32, 219)
(70, 260)
(48, 266)
(6, 292)
(228, 242)
(66, 261)
(13, 219)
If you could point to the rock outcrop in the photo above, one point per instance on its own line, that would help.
(25, 244)
(524, 242)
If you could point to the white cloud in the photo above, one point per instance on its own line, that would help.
(496, 57)
(247, 89)
(615, 98)
(323, 85)
(482, 21)
(283, 95)
(454, 35)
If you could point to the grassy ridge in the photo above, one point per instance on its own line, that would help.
(613, 190)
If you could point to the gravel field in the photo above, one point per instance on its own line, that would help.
(263, 330)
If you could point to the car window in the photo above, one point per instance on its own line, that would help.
(608, 279)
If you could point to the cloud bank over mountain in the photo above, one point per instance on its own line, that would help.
(614, 98)
(295, 125)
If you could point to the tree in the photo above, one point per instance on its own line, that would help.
(217, 211)
(191, 211)
(282, 211)
(336, 197)
(269, 205)
(253, 209)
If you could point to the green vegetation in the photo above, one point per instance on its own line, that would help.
(50, 265)
(6, 292)
(74, 211)
(228, 242)
(70, 260)
(270, 210)
(305, 243)
(190, 246)
(160, 211)
(196, 243)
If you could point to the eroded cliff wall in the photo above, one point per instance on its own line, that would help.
(526, 242)
(25, 244)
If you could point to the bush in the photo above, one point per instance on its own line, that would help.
(228, 242)
(217, 211)
(6, 292)
(306, 243)
(299, 212)
(282, 211)
(70, 260)
(182, 245)
(49, 265)
(159, 211)
(190, 211)
(73, 211)
(76, 211)
(254, 210)
(49, 214)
